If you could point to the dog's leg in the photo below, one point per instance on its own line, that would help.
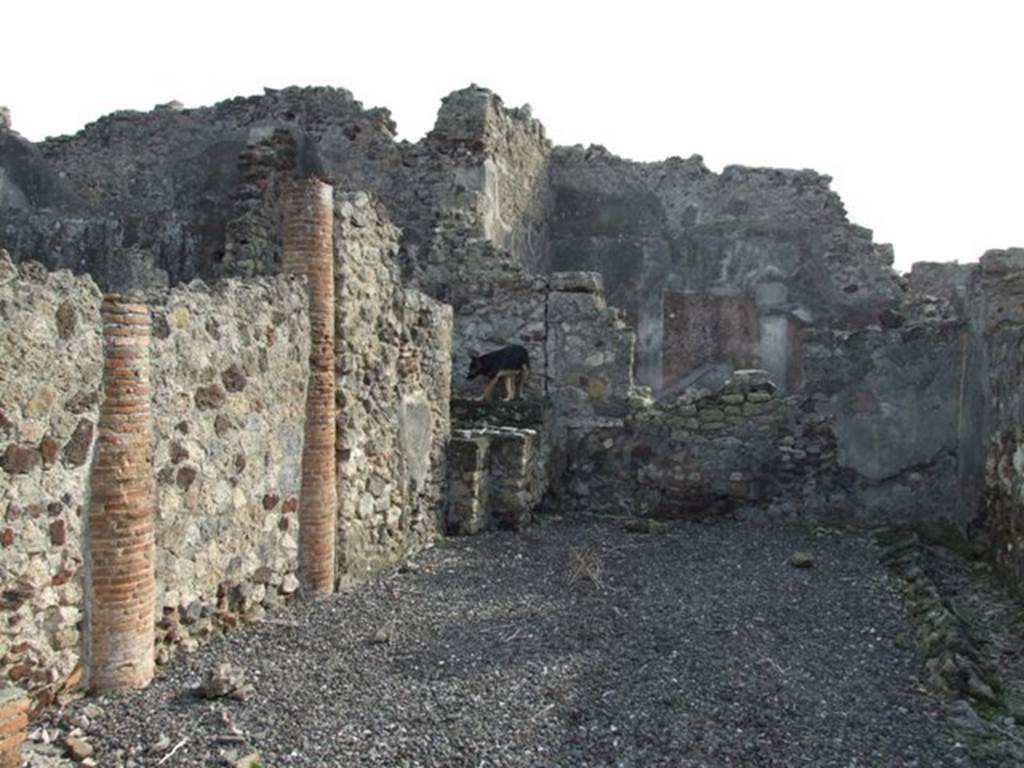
(523, 377)
(489, 389)
(510, 387)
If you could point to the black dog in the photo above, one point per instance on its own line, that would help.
(509, 363)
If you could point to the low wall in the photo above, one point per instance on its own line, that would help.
(697, 455)
(230, 363)
(229, 366)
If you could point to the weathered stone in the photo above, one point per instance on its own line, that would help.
(77, 448)
(21, 459)
(48, 450)
(210, 397)
(234, 378)
(802, 560)
(185, 477)
(78, 749)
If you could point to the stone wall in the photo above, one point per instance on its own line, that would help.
(703, 453)
(997, 307)
(230, 362)
(499, 463)
(229, 367)
(776, 239)
(52, 352)
(893, 396)
(146, 199)
(581, 351)
(228, 371)
(393, 350)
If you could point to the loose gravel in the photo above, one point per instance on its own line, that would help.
(569, 644)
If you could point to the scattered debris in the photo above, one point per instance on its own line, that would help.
(802, 560)
(227, 680)
(77, 749)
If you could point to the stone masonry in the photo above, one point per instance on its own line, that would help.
(309, 251)
(119, 632)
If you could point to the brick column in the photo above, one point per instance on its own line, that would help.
(309, 251)
(119, 636)
(13, 719)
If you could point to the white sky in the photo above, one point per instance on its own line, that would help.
(916, 109)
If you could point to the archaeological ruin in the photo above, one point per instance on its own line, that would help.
(233, 343)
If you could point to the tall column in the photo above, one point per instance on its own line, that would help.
(309, 251)
(120, 520)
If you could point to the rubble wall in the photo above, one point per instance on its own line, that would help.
(228, 371)
(392, 395)
(52, 351)
(230, 364)
(701, 454)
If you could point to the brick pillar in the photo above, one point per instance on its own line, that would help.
(309, 251)
(119, 636)
(13, 719)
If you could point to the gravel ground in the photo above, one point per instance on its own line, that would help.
(571, 644)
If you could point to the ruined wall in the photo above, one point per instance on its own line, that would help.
(149, 199)
(996, 300)
(893, 396)
(52, 353)
(777, 238)
(228, 372)
(472, 197)
(701, 454)
(580, 349)
(230, 363)
(391, 393)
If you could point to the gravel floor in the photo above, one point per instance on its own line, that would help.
(571, 644)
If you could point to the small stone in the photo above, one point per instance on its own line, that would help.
(222, 425)
(77, 749)
(76, 451)
(289, 584)
(58, 533)
(178, 453)
(20, 459)
(67, 320)
(645, 525)
(226, 680)
(802, 560)
(383, 636)
(210, 397)
(48, 449)
(249, 761)
(161, 745)
(185, 477)
(234, 378)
